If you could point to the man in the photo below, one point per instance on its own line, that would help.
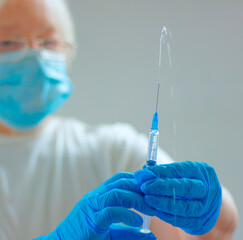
(47, 164)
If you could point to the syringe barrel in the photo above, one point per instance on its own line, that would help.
(152, 148)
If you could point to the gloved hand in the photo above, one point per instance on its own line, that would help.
(94, 215)
(186, 194)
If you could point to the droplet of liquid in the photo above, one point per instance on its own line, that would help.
(164, 43)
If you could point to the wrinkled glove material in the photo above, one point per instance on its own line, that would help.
(186, 194)
(96, 214)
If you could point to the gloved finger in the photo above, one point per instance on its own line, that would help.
(119, 176)
(109, 215)
(123, 232)
(179, 170)
(178, 221)
(181, 187)
(191, 225)
(124, 198)
(143, 175)
(123, 183)
(178, 207)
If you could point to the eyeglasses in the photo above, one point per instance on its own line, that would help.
(23, 45)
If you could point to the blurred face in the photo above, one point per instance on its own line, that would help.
(28, 20)
(27, 24)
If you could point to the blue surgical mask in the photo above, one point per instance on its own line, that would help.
(32, 88)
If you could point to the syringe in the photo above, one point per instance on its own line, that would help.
(152, 154)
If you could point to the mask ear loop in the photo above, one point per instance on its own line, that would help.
(174, 198)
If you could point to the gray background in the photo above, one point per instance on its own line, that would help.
(116, 72)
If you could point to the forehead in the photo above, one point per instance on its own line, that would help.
(26, 17)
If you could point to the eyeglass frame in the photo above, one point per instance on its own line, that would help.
(27, 45)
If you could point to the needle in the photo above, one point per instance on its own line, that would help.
(157, 98)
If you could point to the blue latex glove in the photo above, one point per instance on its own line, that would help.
(94, 215)
(198, 195)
